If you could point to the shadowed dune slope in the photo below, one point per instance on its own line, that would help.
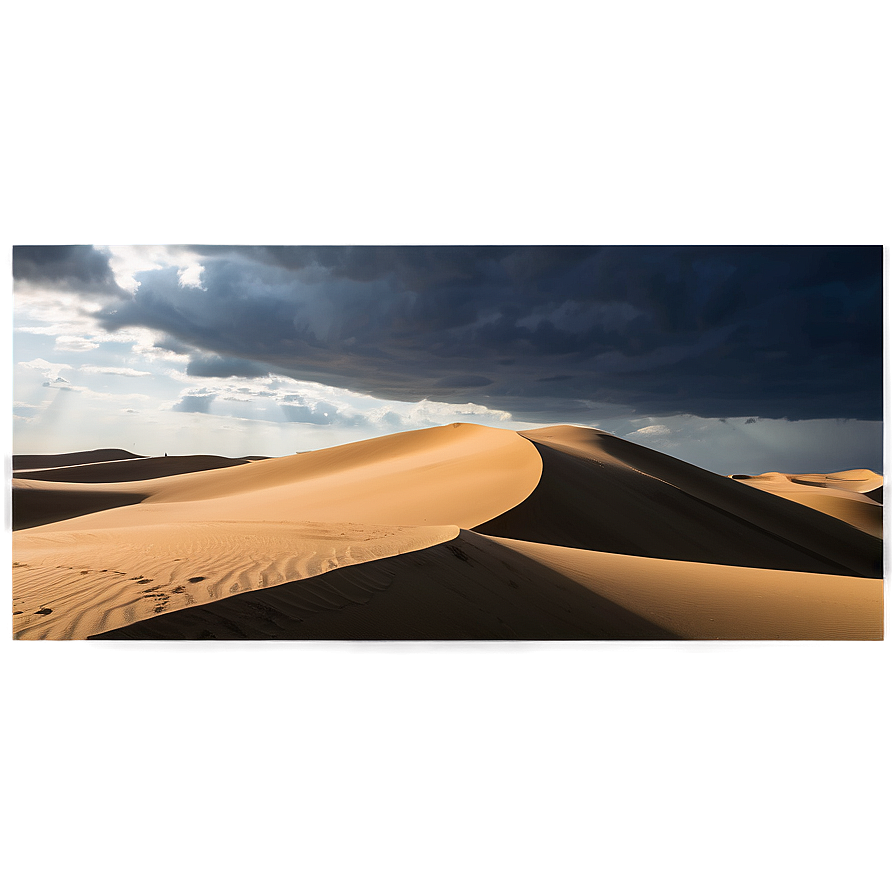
(478, 587)
(132, 470)
(37, 503)
(42, 461)
(850, 505)
(468, 588)
(602, 493)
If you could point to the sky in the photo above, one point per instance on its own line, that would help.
(738, 359)
(729, 166)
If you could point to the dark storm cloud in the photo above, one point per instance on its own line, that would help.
(545, 332)
(215, 366)
(170, 344)
(77, 268)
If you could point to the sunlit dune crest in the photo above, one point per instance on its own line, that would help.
(454, 532)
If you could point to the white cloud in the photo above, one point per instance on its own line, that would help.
(47, 368)
(60, 382)
(129, 261)
(191, 276)
(52, 330)
(656, 430)
(75, 344)
(114, 371)
(436, 413)
(42, 303)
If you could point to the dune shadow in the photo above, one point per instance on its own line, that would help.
(468, 589)
(625, 499)
(33, 507)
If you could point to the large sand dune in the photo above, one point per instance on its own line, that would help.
(578, 534)
(602, 493)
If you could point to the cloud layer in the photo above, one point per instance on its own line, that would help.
(545, 333)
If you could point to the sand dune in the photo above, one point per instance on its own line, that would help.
(36, 503)
(43, 461)
(602, 493)
(460, 474)
(76, 584)
(863, 481)
(132, 470)
(480, 587)
(579, 534)
(854, 505)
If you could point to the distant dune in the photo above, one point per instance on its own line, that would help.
(36, 503)
(42, 461)
(460, 531)
(854, 496)
(132, 470)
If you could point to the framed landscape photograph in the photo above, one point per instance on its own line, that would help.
(448, 442)
(449, 449)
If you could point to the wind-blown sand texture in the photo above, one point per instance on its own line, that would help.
(460, 531)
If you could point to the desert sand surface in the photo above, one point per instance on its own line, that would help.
(478, 586)
(854, 496)
(454, 532)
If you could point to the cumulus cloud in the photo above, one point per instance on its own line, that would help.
(60, 382)
(129, 263)
(322, 413)
(113, 371)
(47, 368)
(198, 402)
(656, 429)
(75, 344)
